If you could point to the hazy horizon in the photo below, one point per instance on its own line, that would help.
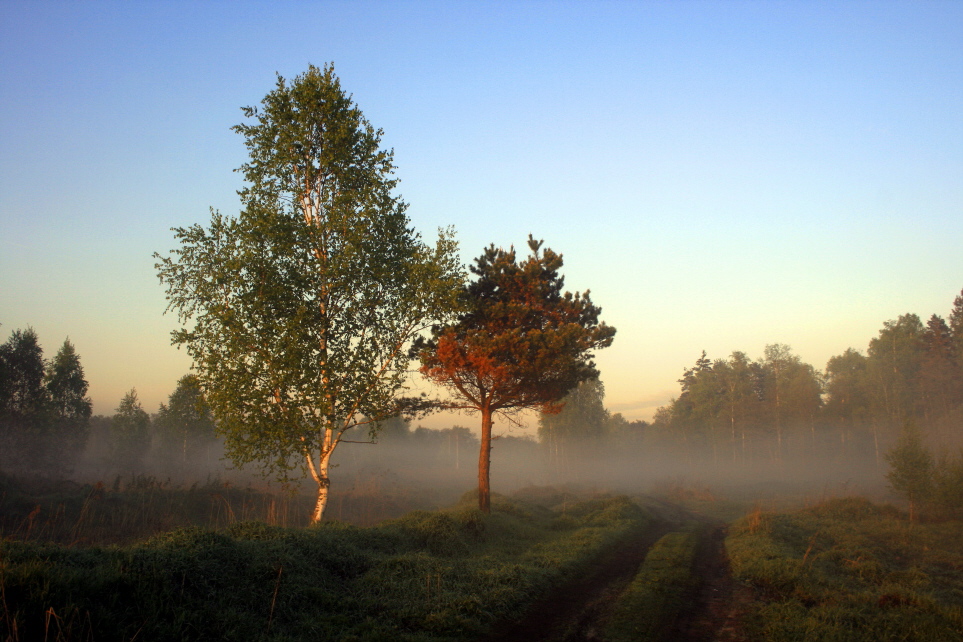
(722, 176)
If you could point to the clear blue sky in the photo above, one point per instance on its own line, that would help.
(721, 175)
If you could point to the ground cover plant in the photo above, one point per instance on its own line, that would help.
(848, 569)
(650, 604)
(441, 575)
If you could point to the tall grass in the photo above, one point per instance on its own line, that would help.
(129, 509)
(850, 570)
(133, 508)
(443, 575)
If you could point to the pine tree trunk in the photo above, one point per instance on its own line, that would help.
(484, 462)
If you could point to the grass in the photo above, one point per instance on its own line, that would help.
(440, 575)
(651, 603)
(850, 570)
(130, 509)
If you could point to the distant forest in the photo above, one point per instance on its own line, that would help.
(779, 408)
(734, 413)
(47, 427)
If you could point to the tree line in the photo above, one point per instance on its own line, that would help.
(47, 427)
(778, 407)
(44, 407)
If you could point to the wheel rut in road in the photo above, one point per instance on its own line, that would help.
(720, 602)
(574, 611)
(578, 611)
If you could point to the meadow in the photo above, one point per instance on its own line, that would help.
(849, 570)
(450, 574)
(147, 560)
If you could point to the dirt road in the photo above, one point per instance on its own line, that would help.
(578, 611)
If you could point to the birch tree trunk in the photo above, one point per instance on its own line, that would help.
(322, 500)
(320, 474)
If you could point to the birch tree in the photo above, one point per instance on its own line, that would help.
(130, 433)
(297, 313)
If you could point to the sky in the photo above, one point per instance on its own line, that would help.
(720, 175)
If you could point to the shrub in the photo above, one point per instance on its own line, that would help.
(911, 468)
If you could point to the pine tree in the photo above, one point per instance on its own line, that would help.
(23, 401)
(521, 343)
(70, 406)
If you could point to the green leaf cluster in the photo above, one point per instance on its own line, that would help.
(297, 312)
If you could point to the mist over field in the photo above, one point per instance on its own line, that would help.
(766, 485)
(437, 322)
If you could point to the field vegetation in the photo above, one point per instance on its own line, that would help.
(445, 575)
(849, 570)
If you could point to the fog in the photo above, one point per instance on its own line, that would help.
(407, 467)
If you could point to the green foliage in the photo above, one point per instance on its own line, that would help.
(956, 328)
(21, 376)
(850, 570)
(23, 399)
(780, 408)
(932, 486)
(331, 581)
(895, 358)
(948, 491)
(737, 409)
(130, 433)
(185, 424)
(580, 425)
(300, 308)
(69, 404)
(67, 386)
(911, 467)
(44, 408)
(848, 388)
(520, 343)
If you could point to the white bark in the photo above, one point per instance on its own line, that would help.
(322, 501)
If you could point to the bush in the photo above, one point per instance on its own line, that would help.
(911, 468)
